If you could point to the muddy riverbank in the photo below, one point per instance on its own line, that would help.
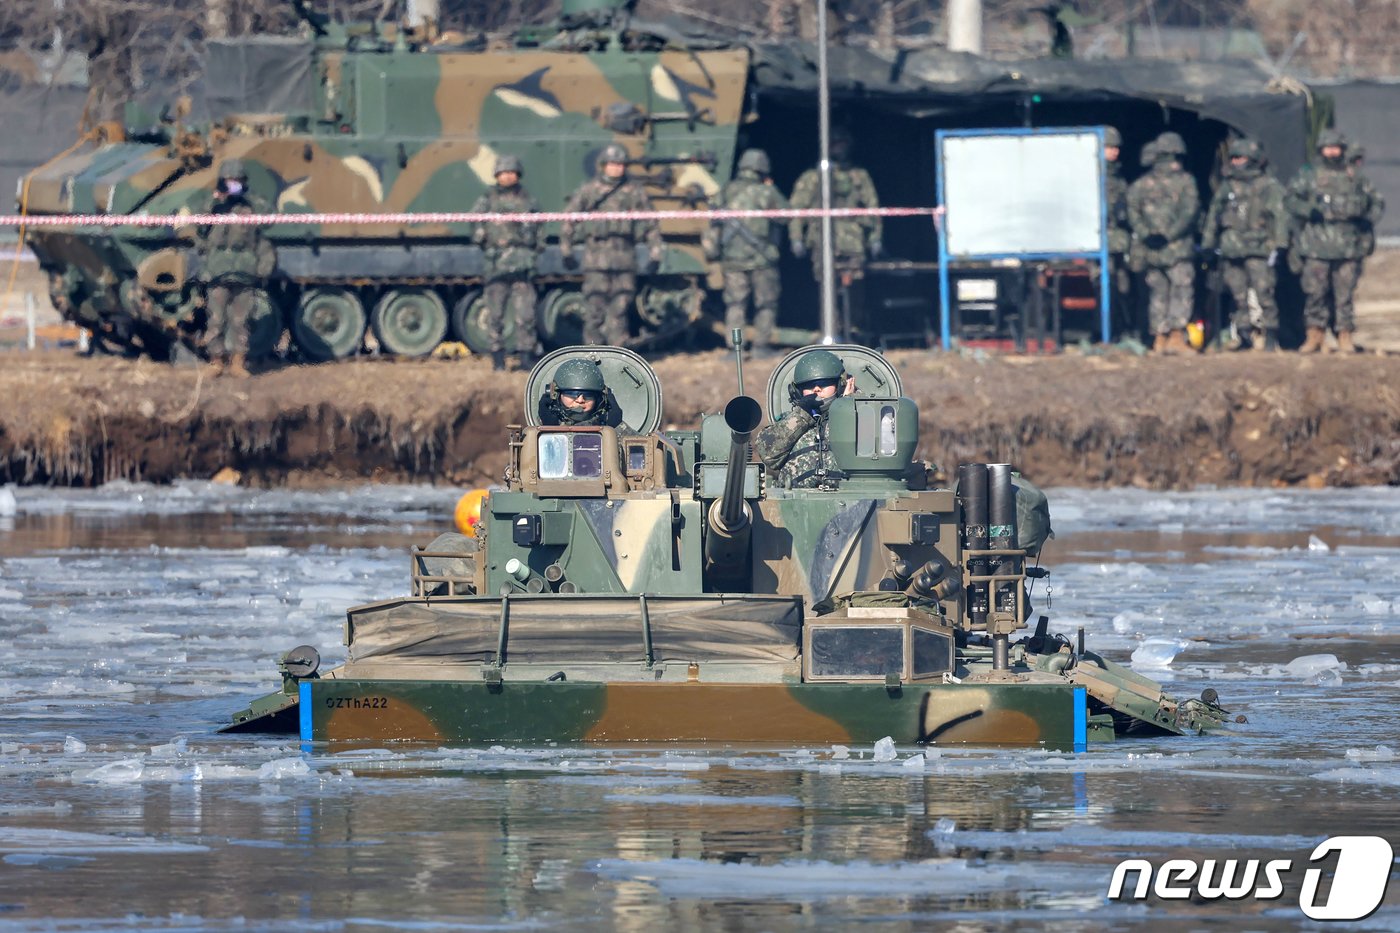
(1111, 420)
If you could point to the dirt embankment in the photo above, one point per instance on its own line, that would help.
(1067, 420)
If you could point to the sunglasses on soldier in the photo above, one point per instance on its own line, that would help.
(579, 393)
(816, 385)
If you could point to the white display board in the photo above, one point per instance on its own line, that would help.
(1022, 193)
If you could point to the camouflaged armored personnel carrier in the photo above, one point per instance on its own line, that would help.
(630, 584)
(388, 120)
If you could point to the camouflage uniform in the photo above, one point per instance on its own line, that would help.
(747, 250)
(1248, 223)
(1336, 211)
(510, 262)
(797, 448)
(1120, 237)
(1162, 210)
(609, 250)
(852, 237)
(581, 374)
(234, 263)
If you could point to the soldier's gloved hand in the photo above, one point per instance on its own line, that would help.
(799, 249)
(809, 403)
(653, 262)
(1315, 216)
(1155, 241)
(877, 249)
(570, 260)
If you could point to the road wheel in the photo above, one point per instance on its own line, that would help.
(409, 321)
(561, 317)
(329, 323)
(468, 317)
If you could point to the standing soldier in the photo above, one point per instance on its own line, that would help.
(853, 238)
(1336, 209)
(1120, 237)
(609, 246)
(1247, 225)
(1162, 210)
(747, 250)
(235, 262)
(510, 261)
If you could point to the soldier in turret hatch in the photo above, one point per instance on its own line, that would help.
(747, 249)
(510, 261)
(609, 246)
(797, 448)
(578, 397)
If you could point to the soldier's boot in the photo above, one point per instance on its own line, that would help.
(1266, 340)
(217, 366)
(498, 361)
(1313, 342)
(1237, 343)
(1159, 343)
(1176, 343)
(1345, 344)
(238, 366)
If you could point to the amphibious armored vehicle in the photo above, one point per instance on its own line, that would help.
(380, 119)
(633, 584)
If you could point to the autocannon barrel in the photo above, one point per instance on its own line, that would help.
(728, 518)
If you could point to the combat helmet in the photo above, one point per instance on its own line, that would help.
(233, 168)
(1111, 137)
(1331, 138)
(508, 163)
(1169, 145)
(579, 375)
(1246, 148)
(612, 152)
(817, 364)
(839, 143)
(755, 160)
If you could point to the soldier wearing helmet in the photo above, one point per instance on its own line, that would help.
(509, 250)
(854, 239)
(1163, 206)
(1336, 210)
(1119, 235)
(234, 263)
(609, 247)
(797, 449)
(1247, 227)
(747, 250)
(579, 397)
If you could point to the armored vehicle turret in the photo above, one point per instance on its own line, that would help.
(630, 583)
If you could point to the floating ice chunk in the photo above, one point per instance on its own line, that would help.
(884, 750)
(840, 753)
(1379, 753)
(1373, 605)
(283, 768)
(1327, 677)
(126, 771)
(175, 748)
(1157, 652)
(73, 746)
(944, 826)
(1309, 665)
(8, 505)
(1317, 545)
(914, 762)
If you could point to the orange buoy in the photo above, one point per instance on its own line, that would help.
(468, 511)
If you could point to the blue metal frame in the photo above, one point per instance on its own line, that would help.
(304, 709)
(1101, 255)
(1081, 719)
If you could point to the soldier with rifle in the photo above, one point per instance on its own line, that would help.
(854, 239)
(1337, 210)
(234, 263)
(509, 250)
(1163, 206)
(747, 250)
(1246, 230)
(609, 246)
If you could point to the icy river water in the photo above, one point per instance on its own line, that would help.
(135, 619)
